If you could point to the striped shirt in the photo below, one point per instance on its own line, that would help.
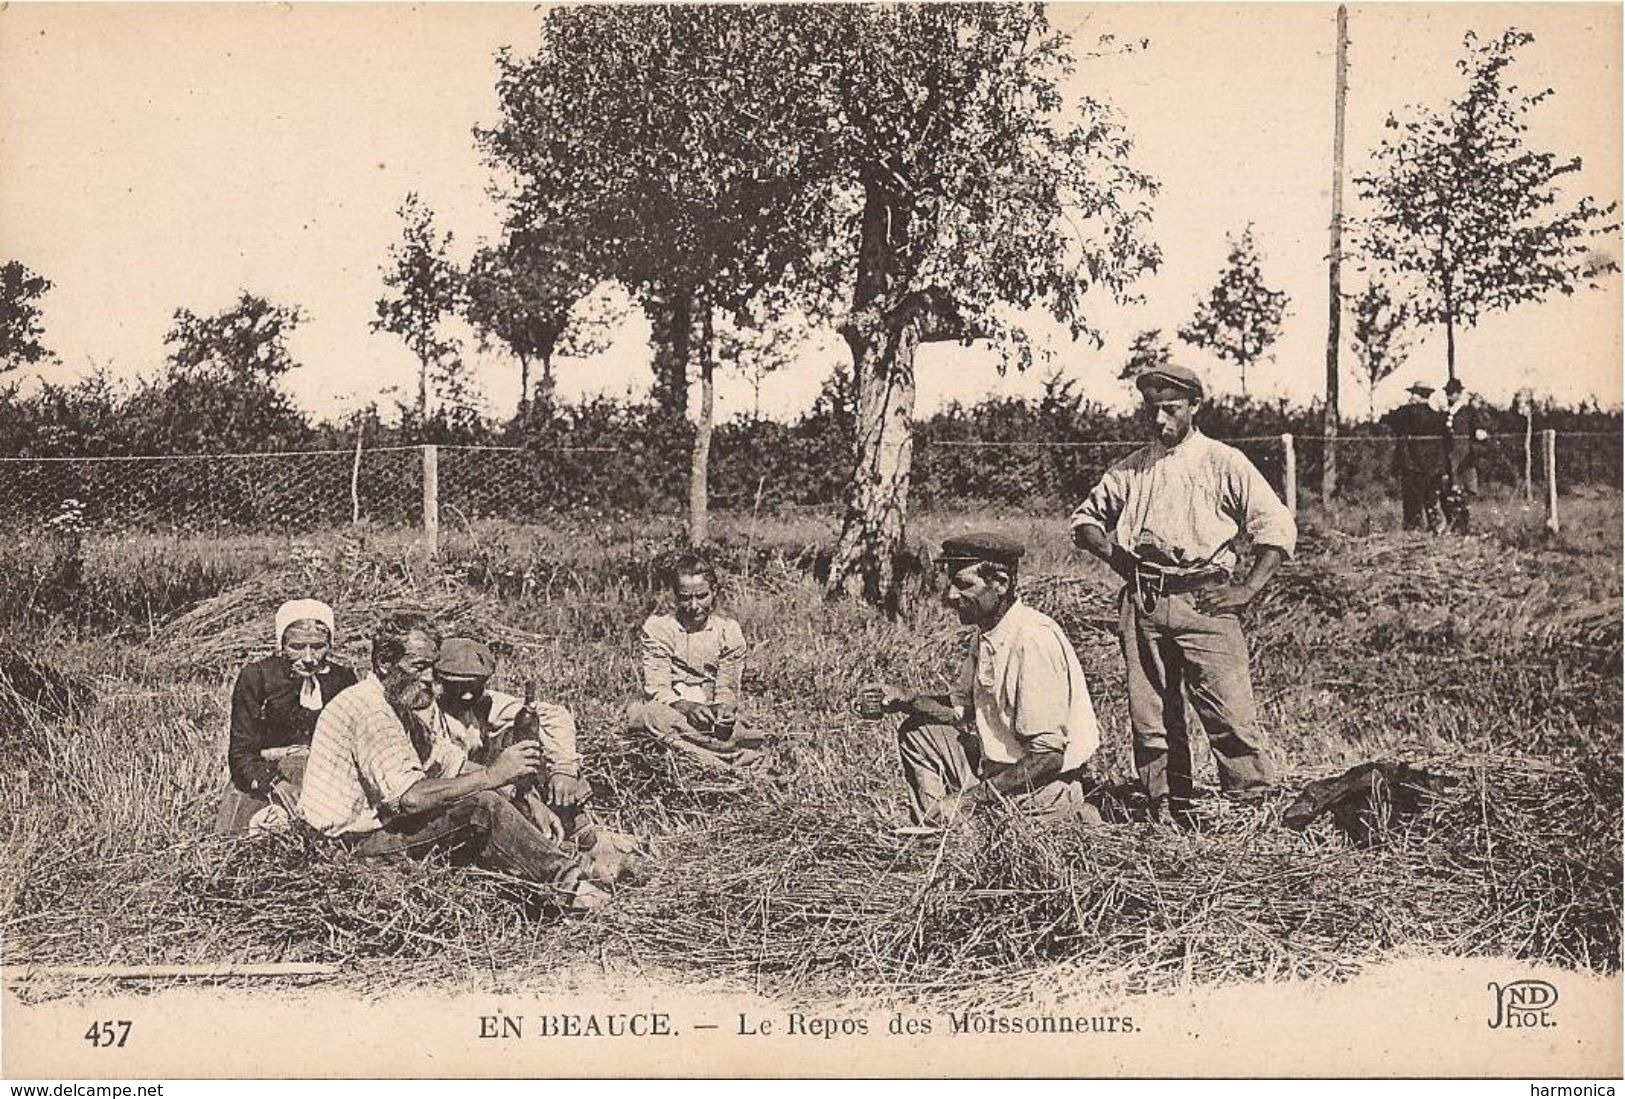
(1185, 506)
(703, 666)
(362, 760)
(1022, 689)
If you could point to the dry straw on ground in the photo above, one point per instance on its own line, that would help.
(798, 886)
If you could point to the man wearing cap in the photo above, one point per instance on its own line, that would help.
(384, 784)
(1419, 460)
(1019, 724)
(1166, 519)
(482, 721)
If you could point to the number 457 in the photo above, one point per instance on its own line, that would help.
(108, 1033)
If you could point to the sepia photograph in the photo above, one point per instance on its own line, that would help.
(811, 540)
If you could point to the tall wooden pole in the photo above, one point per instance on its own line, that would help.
(1334, 268)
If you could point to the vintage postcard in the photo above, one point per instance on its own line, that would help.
(986, 540)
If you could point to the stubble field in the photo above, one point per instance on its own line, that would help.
(1491, 660)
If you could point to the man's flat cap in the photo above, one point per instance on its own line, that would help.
(1454, 386)
(465, 658)
(1421, 389)
(981, 546)
(1180, 379)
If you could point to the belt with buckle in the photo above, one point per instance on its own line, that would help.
(1152, 582)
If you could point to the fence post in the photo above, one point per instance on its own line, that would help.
(431, 499)
(1291, 475)
(355, 479)
(1548, 446)
(1529, 455)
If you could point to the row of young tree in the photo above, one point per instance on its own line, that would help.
(901, 174)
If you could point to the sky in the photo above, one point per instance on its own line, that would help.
(154, 157)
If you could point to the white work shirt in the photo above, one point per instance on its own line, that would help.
(1023, 689)
(362, 760)
(494, 715)
(1185, 506)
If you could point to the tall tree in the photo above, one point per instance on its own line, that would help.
(247, 342)
(521, 294)
(1147, 351)
(1458, 201)
(980, 190)
(669, 145)
(220, 388)
(20, 327)
(425, 286)
(1380, 336)
(1241, 317)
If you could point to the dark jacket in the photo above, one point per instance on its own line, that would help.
(265, 713)
(1419, 447)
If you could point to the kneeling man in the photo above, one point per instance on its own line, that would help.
(384, 783)
(1019, 725)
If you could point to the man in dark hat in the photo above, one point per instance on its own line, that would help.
(1166, 519)
(1419, 455)
(1019, 724)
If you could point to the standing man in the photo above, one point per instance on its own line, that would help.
(1019, 725)
(383, 783)
(1418, 464)
(1461, 432)
(1166, 519)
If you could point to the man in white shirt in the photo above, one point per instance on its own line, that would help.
(1166, 519)
(1019, 724)
(383, 783)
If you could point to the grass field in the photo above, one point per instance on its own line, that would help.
(1493, 660)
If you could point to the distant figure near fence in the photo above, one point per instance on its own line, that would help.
(1419, 455)
(1461, 433)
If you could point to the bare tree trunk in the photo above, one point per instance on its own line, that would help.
(671, 325)
(423, 390)
(699, 472)
(1334, 267)
(524, 382)
(1449, 329)
(873, 531)
(544, 386)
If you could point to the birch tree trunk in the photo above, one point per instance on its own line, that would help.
(699, 472)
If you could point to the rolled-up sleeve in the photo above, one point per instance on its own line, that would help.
(385, 760)
(555, 730)
(1104, 505)
(657, 658)
(1258, 511)
(1043, 700)
(730, 664)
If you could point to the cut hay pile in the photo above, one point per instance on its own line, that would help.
(803, 900)
(1525, 861)
(220, 634)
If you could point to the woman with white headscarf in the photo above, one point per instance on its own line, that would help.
(274, 706)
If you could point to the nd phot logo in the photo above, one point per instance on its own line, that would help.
(1521, 1004)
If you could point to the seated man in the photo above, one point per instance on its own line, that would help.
(485, 722)
(1020, 723)
(383, 783)
(693, 662)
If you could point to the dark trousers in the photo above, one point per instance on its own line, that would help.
(486, 828)
(1415, 490)
(1175, 653)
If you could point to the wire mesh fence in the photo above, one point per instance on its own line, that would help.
(385, 486)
